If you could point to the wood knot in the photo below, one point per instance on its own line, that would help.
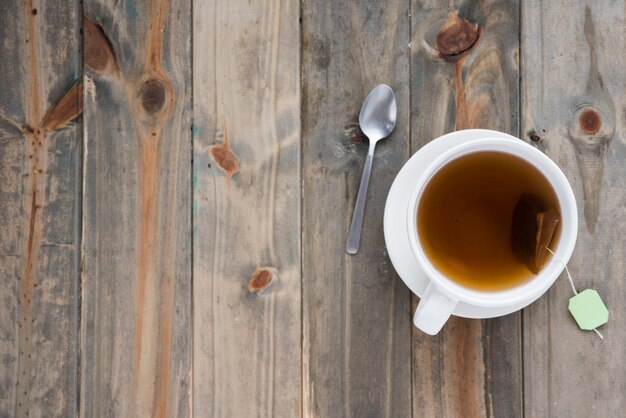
(224, 156)
(591, 131)
(261, 279)
(153, 94)
(353, 133)
(590, 121)
(455, 37)
(98, 51)
(356, 138)
(66, 109)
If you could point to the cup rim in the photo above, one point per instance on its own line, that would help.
(531, 289)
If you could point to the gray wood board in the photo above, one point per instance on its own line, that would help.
(573, 98)
(356, 323)
(246, 193)
(471, 368)
(136, 284)
(39, 197)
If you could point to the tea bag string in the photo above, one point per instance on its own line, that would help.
(571, 282)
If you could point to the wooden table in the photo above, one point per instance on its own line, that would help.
(177, 180)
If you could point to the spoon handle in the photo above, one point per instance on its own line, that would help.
(354, 236)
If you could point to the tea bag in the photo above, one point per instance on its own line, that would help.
(532, 230)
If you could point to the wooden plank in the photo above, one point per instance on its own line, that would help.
(466, 76)
(136, 298)
(39, 196)
(356, 310)
(247, 327)
(573, 100)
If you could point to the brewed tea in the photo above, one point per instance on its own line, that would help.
(465, 220)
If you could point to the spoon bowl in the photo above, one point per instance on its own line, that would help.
(378, 114)
(377, 119)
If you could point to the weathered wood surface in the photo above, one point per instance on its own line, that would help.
(39, 197)
(246, 195)
(573, 98)
(136, 283)
(356, 325)
(464, 74)
(210, 225)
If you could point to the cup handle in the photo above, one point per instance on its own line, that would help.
(433, 310)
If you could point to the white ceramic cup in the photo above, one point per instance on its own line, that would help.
(442, 294)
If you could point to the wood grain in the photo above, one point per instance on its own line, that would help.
(246, 194)
(136, 327)
(573, 108)
(39, 189)
(464, 74)
(214, 276)
(356, 310)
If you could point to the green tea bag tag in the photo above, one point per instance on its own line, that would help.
(588, 309)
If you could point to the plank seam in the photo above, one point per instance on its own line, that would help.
(301, 172)
(409, 152)
(78, 218)
(192, 217)
(520, 123)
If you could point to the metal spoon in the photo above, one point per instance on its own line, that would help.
(377, 120)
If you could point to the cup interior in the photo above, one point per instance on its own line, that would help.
(537, 285)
